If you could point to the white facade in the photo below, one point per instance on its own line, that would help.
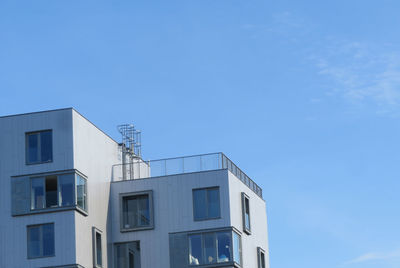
(157, 208)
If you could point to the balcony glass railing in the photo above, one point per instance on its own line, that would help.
(180, 165)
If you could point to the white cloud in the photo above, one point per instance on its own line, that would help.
(358, 72)
(375, 256)
(361, 73)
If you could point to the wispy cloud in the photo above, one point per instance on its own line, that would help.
(360, 73)
(375, 256)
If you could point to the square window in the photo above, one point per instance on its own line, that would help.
(41, 241)
(39, 147)
(206, 204)
(137, 211)
(246, 213)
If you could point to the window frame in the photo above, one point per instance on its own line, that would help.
(39, 153)
(244, 210)
(122, 196)
(41, 245)
(260, 253)
(96, 231)
(215, 232)
(59, 206)
(206, 203)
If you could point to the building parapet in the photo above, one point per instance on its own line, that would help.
(141, 169)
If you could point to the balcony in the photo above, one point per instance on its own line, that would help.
(181, 165)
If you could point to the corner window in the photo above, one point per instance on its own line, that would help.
(41, 241)
(261, 257)
(81, 192)
(215, 248)
(39, 147)
(246, 213)
(137, 211)
(206, 204)
(55, 191)
(97, 248)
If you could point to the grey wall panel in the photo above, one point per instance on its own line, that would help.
(20, 194)
(173, 211)
(13, 234)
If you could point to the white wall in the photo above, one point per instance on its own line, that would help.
(94, 155)
(258, 218)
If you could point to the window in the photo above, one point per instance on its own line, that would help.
(41, 241)
(246, 213)
(261, 257)
(215, 247)
(97, 248)
(137, 211)
(39, 147)
(58, 191)
(206, 204)
(81, 192)
(127, 255)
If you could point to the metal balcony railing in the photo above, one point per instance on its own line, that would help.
(180, 165)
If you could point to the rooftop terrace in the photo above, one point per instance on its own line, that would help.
(181, 165)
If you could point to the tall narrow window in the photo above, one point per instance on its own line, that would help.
(81, 192)
(137, 211)
(206, 203)
(246, 213)
(97, 248)
(41, 241)
(39, 147)
(261, 257)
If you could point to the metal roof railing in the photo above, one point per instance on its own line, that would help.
(180, 165)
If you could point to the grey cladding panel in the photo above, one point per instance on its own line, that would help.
(178, 250)
(20, 195)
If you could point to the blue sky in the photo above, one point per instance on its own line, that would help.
(303, 95)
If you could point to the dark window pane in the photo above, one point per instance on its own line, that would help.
(136, 211)
(34, 242)
(143, 211)
(199, 204)
(33, 148)
(46, 146)
(51, 191)
(224, 246)
(66, 195)
(98, 249)
(213, 203)
(195, 254)
(127, 255)
(210, 251)
(48, 239)
(37, 193)
(262, 259)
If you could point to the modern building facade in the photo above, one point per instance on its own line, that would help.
(71, 196)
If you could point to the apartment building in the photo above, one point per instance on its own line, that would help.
(71, 196)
